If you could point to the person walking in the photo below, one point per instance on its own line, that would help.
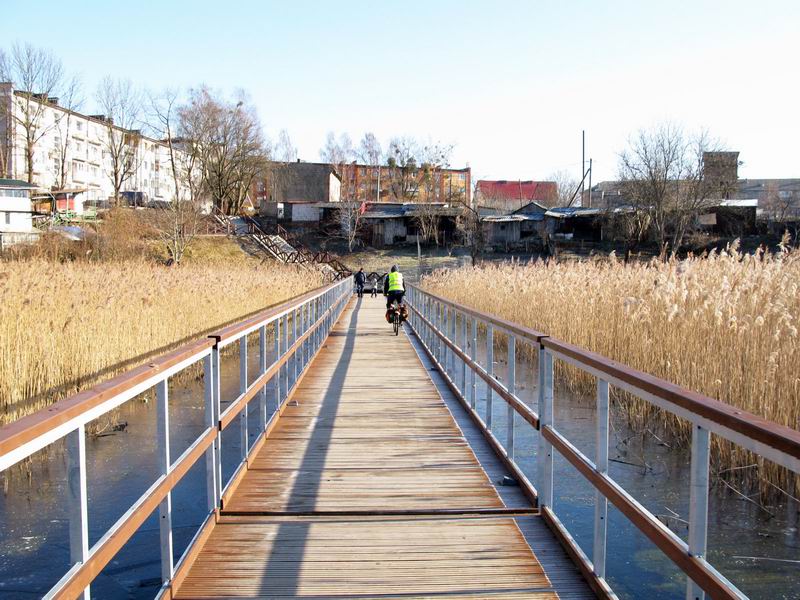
(361, 279)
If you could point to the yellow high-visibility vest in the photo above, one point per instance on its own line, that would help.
(395, 282)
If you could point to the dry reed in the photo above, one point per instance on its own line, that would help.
(725, 325)
(66, 326)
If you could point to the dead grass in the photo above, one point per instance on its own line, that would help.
(725, 325)
(66, 325)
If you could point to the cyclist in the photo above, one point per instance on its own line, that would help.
(393, 287)
(360, 281)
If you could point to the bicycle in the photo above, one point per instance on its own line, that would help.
(397, 317)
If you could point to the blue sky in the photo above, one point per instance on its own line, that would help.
(511, 84)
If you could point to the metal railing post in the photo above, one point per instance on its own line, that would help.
(464, 345)
(545, 458)
(78, 499)
(490, 371)
(511, 386)
(452, 335)
(698, 502)
(262, 368)
(601, 464)
(295, 370)
(285, 368)
(165, 506)
(212, 499)
(473, 354)
(275, 382)
(217, 402)
(242, 389)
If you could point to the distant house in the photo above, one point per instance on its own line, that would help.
(524, 225)
(387, 224)
(294, 191)
(575, 223)
(512, 195)
(730, 217)
(16, 215)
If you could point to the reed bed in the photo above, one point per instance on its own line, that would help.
(725, 325)
(66, 326)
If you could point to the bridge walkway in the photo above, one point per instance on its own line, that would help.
(370, 487)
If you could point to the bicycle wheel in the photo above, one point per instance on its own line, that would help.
(396, 323)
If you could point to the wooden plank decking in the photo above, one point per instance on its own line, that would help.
(366, 488)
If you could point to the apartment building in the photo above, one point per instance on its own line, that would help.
(80, 141)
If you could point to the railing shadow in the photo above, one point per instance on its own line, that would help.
(288, 547)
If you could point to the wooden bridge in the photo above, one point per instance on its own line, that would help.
(375, 475)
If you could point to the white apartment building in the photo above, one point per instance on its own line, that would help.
(88, 163)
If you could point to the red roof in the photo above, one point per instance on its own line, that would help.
(539, 191)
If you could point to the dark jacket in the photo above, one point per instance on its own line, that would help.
(361, 278)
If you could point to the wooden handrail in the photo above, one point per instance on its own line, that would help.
(531, 335)
(14, 435)
(780, 437)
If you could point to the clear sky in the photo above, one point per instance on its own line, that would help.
(511, 84)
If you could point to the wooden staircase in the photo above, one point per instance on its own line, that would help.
(283, 246)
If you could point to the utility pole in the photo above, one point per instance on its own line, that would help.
(590, 183)
(583, 159)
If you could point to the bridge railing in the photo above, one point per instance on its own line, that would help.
(299, 328)
(449, 333)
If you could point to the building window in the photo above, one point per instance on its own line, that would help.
(8, 218)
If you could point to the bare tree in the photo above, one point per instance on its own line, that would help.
(36, 75)
(72, 101)
(227, 137)
(662, 174)
(628, 226)
(285, 151)
(567, 186)
(176, 222)
(122, 105)
(777, 206)
(350, 213)
(340, 154)
(369, 150)
(433, 159)
(470, 226)
(403, 168)
(370, 153)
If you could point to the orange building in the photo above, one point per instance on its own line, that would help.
(365, 183)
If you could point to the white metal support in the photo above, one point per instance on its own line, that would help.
(217, 403)
(245, 442)
(211, 421)
(464, 345)
(262, 368)
(473, 354)
(601, 463)
(165, 506)
(285, 368)
(294, 370)
(511, 386)
(78, 499)
(452, 335)
(545, 458)
(698, 502)
(275, 382)
(490, 371)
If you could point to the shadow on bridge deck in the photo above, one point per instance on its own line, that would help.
(368, 488)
